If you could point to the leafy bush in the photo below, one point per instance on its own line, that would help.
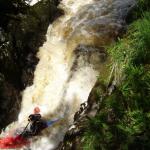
(123, 121)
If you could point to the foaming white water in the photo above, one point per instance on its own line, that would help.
(32, 2)
(56, 89)
(52, 71)
(69, 61)
(50, 76)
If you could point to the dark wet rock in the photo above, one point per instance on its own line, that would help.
(96, 56)
(28, 34)
(73, 138)
(22, 32)
(10, 103)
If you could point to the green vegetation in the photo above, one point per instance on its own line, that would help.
(123, 121)
(142, 6)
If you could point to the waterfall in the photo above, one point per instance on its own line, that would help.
(32, 2)
(69, 62)
(59, 87)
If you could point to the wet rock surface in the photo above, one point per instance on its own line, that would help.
(21, 34)
(73, 138)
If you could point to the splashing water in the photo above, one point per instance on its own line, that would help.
(32, 2)
(57, 92)
(69, 63)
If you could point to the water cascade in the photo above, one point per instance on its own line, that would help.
(70, 61)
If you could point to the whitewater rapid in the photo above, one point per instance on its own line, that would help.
(58, 89)
(32, 2)
(69, 62)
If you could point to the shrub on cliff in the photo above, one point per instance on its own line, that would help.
(123, 121)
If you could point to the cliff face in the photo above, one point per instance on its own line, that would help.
(22, 32)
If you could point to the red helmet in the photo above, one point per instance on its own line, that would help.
(36, 110)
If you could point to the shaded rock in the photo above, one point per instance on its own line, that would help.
(28, 34)
(73, 138)
(10, 103)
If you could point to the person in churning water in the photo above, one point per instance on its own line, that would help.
(36, 124)
(21, 135)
